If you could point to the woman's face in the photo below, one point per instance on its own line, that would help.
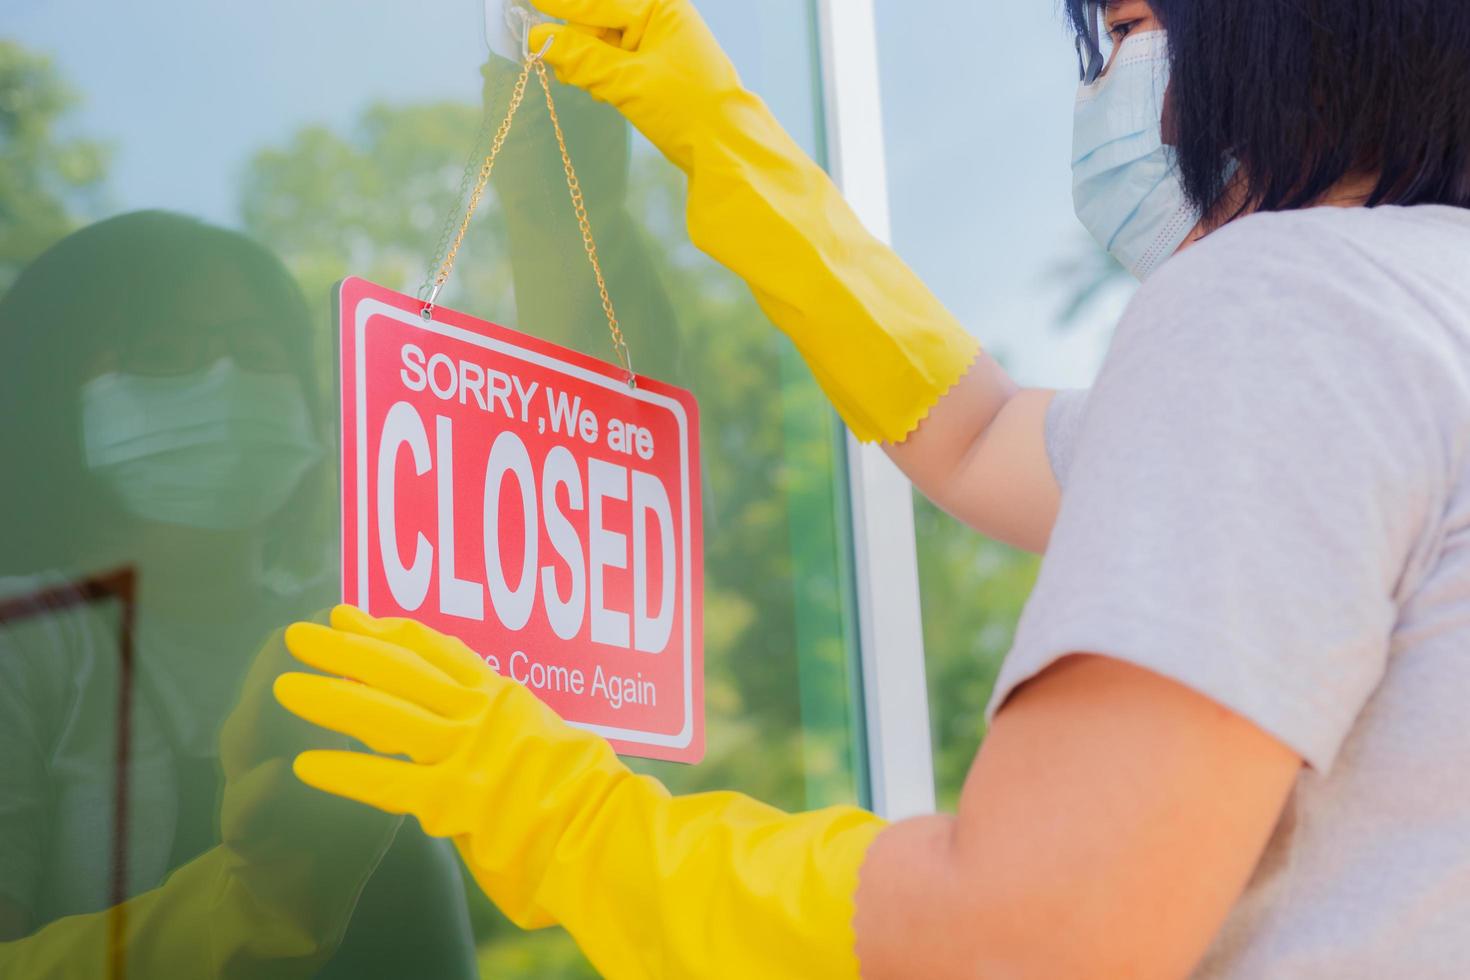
(1122, 18)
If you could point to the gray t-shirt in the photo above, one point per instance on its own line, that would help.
(1266, 497)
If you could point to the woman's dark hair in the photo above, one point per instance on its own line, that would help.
(84, 298)
(1306, 93)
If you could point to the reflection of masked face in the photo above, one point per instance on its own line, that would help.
(219, 448)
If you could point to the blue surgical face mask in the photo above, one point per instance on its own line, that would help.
(220, 448)
(1125, 181)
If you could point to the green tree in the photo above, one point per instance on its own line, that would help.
(49, 182)
(1085, 276)
(371, 202)
(973, 593)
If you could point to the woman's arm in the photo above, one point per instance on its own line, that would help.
(896, 364)
(981, 456)
(1109, 823)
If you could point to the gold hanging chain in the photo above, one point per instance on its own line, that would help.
(620, 345)
(486, 168)
(579, 207)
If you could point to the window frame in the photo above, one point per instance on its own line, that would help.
(884, 552)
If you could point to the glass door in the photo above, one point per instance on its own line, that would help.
(182, 186)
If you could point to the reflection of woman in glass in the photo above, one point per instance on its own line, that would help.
(159, 414)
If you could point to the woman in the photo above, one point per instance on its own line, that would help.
(1227, 739)
(165, 510)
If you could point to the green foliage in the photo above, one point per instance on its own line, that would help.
(1084, 278)
(372, 202)
(47, 180)
(973, 590)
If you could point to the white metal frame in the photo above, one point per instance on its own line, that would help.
(900, 758)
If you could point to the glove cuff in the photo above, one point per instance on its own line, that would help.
(710, 885)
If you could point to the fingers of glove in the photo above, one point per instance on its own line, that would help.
(386, 666)
(380, 721)
(447, 653)
(388, 784)
(581, 59)
(608, 35)
(617, 14)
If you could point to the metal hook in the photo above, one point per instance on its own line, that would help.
(625, 357)
(521, 21)
(428, 311)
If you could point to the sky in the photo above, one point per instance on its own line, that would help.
(977, 114)
(186, 92)
(977, 101)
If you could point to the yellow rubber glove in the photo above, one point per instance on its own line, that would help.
(272, 900)
(881, 345)
(557, 830)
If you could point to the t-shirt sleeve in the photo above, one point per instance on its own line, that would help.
(1063, 420)
(1240, 497)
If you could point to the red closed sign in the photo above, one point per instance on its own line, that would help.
(526, 499)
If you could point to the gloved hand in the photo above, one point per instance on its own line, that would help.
(272, 900)
(684, 81)
(881, 345)
(557, 830)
